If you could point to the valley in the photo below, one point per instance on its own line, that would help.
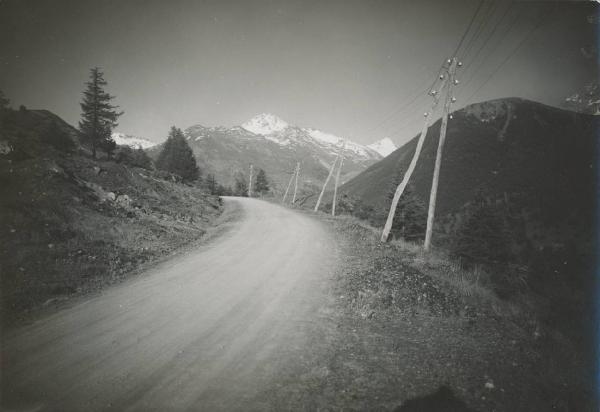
(135, 253)
(271, 144)
(299, 206)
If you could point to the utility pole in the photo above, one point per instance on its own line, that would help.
(337, 180)
(326, 181)
(288, 186)
(413, 163)
(250, 183)
(296, 184)
(438, 158)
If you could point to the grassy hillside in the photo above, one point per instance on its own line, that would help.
(419, 322)
(517, 197)
(71, 225)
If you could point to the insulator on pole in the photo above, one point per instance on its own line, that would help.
(459, 64)
(456, 81)
(425, 114)
(453, 99)
(449, 61)
(451, 117)
(441, 77)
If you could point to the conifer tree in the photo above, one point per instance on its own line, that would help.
(262, 183)
(99, 116)
(177, 157)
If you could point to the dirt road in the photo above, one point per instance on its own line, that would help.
(209, 330)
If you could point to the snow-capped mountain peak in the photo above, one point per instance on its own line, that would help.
(265, 124)
(384, 146)
(134, 142)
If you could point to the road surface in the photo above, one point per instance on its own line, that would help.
(210, 330)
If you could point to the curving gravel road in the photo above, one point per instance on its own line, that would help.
(210, 330)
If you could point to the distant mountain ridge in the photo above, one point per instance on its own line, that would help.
(134, 142)
(271, 143)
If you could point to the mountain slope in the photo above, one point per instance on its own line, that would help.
(501, 146)
(274, 145)
(517, 194)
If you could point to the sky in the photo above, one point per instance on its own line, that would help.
(357, 69)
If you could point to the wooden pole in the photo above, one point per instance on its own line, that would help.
(438, 157)
(337, 180)
(296, 184)
(325, 184)
(250, 183)
(411, 167)
(288, 186)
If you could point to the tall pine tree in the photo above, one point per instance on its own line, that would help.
(177, 157)
(99, 116)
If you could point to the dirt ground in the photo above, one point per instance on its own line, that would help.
(285, 311)
(395, 337)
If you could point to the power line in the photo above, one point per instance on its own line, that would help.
(483, 21)
(428, 90)
(400, 108)
(462, 39)
(489, 36)
(491, 51)
(443, 66)
(509, 56)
